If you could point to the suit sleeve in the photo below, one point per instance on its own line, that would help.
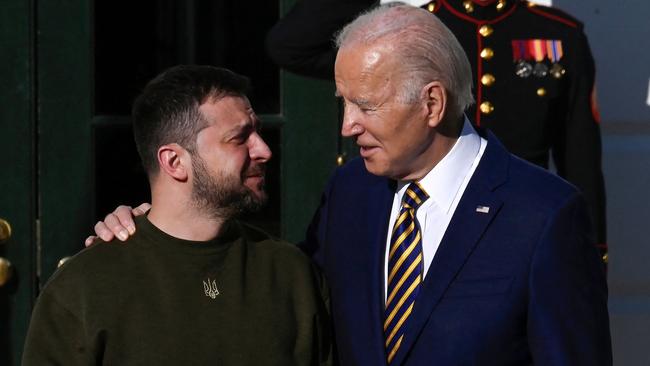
(55, 336)
(577, 151)
(567, 313)
(303, 41)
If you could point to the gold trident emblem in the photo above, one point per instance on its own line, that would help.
(211, 289)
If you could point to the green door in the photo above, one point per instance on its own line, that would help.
(17, 188)
(70, 71)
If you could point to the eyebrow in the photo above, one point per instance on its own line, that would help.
(359, 102)
(245, 126)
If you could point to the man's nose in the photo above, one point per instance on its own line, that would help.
(259, 150)
(350, 126)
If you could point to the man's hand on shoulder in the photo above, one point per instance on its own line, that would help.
(118, 224)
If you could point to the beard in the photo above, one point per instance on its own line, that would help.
(224, 196)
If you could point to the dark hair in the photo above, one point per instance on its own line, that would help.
(167, 110)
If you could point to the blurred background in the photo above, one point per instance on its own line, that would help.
(69, 70)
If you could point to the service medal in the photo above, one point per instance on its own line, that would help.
(540, 70)
(523, 69)
(555, 54)
(557, 71)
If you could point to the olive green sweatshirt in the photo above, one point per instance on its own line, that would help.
(241, 299)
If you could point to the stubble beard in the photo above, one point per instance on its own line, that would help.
(223, 196)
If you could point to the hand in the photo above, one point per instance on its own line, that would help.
(118, 224)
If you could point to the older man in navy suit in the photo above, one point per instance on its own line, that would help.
(440, 247)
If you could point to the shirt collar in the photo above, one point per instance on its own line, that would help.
(444, 181)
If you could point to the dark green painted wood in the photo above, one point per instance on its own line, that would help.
(17, 204)
(309, 149)
(309, 146)
(64, 62)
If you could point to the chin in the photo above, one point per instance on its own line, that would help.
(373, 167)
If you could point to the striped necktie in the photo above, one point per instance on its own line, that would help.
(405, 270)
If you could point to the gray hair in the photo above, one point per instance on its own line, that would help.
(427, 50)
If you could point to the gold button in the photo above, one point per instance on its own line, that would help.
(488, 79)
(486, 107)
(431, 7)
(486, 30)
(6, 271)
(605, 258)
(469, 7)
(5, 230)
(541, 92)
(501, 4)
(340, 160)
(487, 53)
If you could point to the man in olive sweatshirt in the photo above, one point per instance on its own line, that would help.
(194, 286)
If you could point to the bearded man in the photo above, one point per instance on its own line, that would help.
(194, 285)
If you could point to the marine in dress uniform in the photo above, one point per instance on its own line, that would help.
(534, 78)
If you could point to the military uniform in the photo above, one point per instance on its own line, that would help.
(533, 78)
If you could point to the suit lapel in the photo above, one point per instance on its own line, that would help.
(467, 225)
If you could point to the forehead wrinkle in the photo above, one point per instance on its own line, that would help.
(367, 70)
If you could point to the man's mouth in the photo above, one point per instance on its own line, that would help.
(367, 150)
(256, 172)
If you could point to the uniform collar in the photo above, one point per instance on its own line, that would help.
(481, 11)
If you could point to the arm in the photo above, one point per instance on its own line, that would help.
(567, 312)
(577, 149)
(118, 224)
(55, 337)
(303, 40)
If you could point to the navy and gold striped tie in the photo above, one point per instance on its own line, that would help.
(405, 270)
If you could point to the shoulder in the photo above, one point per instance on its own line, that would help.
(538, 188)
(100, 263)
(552, 15)
(355, 172)
(521, 184)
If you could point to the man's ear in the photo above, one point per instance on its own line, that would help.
(435, 97)
(174, 161)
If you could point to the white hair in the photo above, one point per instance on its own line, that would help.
(426, 48)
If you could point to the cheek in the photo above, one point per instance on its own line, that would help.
(230, 161)
(405, 143)
(240, 160)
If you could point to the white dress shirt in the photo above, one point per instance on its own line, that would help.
(445, 185)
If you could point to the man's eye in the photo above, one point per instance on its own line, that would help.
(240, 139)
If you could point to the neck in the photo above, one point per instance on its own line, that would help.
(174, 214)
(446, 135)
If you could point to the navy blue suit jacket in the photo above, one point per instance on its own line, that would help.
(517, 285)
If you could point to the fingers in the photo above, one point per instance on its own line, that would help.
(118, 224)
(124, 222)
(142, 209)
(103, 232)
(90, 240)
(111, 227)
